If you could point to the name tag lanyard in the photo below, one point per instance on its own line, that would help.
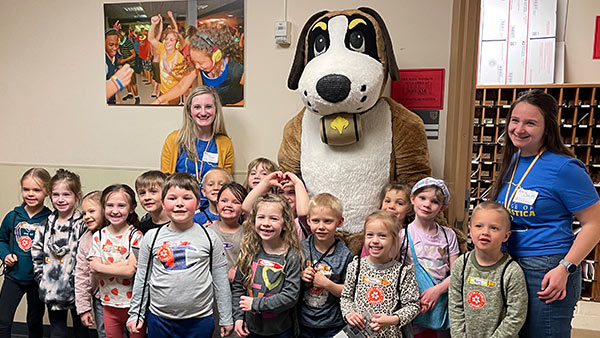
(507, 201)
(198, 178)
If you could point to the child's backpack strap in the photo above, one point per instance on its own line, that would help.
(510, 260)
(356, 277)
(462, 276)
(210, 253)
(146, 275)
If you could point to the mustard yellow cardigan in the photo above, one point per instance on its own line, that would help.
(170, 151)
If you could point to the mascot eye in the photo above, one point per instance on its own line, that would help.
(321, 44)
(357, 41)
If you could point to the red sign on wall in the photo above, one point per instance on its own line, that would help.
(597, 39)
(420, 88)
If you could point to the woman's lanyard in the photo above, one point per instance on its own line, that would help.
(322, 255)
(198, 173)
(507, 201)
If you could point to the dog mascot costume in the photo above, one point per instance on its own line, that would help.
(348, 140)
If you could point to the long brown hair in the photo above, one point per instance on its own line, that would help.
(188, 134)
(551, 140)
(251, 243)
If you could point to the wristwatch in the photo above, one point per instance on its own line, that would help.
(570, 266)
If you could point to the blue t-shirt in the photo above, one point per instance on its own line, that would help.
(204, 215)
(210, 158)
(544, 227)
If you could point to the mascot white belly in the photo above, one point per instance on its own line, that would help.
(357, 172)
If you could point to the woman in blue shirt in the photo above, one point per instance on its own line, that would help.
(543, 186)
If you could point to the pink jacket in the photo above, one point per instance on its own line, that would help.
(86, 285)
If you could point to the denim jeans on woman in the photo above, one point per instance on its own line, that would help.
(553, 319)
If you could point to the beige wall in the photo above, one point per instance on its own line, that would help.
(53, 111)
(580, 67)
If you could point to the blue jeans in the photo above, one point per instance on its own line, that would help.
(99, 317)
(554, 319)
(183, 328)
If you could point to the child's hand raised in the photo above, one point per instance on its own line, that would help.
(155, 20)
(356, 319)
(246, 303)
(241, 329)
(308, 275)
(380, 321)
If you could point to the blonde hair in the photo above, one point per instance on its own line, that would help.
(263, 162)
(390, 222)
(41, 176)
(150, 178)
(326, 200)
(251, 243)
(188, 134)
(218, 169)
(497, 207)
(71, 180)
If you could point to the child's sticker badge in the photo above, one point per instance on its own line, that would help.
(476, 299)
(25, 243)
(375, 295)
(165, 253)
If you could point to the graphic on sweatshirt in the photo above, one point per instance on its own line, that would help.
(174, 255)
(24, 234)
(317, 297)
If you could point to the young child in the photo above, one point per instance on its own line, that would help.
(111, 258)
(86, 286)
(149, 190)
(327, 258)
(257, 170)
(214, 179)
(228, 228)
(395, 198)
(436, 249)
(54, 253)
(290, 187)
(16, 236)
(487, 286)
(267, 282)
(182, 266)
(380, 294)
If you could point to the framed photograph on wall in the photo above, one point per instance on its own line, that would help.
(156, 52)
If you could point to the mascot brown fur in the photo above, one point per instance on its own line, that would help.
(348, 140)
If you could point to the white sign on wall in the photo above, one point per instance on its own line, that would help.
(517, 42)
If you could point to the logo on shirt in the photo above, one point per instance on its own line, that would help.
(375, 295)
(476, 299)
(173, 255)
(24, 233)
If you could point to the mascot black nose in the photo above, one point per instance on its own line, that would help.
(334, 87)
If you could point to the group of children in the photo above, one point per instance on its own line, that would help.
(263, 257)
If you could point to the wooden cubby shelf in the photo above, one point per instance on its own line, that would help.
(579, 120)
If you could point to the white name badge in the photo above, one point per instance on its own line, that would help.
(525, 196)
(210, 157)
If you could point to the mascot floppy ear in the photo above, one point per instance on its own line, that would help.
(299, 58)
(390, 58)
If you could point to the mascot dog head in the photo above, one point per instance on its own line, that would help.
(342, 61)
